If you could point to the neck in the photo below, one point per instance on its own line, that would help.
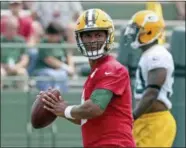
(146, 47)
(92, 63)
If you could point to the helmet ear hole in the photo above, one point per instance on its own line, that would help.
(149, 33)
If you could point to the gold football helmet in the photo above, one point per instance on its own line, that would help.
(94, 20)
(144, 28)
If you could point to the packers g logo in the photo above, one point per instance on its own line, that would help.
(152, 18)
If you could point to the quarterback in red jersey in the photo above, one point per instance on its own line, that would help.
(105, 113)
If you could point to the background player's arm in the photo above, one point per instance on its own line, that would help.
(156, 78)
(93, 107)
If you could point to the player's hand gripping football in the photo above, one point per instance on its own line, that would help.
(53, 104)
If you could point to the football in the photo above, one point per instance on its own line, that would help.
(41, 117)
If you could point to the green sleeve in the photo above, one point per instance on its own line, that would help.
(101, 97)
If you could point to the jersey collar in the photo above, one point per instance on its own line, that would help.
(101, 61)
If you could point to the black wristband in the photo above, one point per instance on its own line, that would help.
(153, 86)
(134, 116)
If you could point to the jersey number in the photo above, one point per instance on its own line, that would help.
(83, 121)
(140, 82)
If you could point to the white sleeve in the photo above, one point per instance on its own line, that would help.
(157, 61)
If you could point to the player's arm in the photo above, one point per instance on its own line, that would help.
(107, 86)
(93, 107)
(75, 121)
(156, 78)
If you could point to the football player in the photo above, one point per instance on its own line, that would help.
(154, 125)
(105, 114)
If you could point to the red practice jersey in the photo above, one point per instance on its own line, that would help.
(114, 126)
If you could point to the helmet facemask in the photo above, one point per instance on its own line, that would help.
(139, 36)
(131, 33)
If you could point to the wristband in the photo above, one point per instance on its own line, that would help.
(154, 86)
(67, 112)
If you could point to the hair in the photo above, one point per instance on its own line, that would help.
(54, 28)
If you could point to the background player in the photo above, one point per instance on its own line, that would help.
(154, 125)
(106, 109)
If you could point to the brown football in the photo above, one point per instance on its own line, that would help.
(41, 117)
